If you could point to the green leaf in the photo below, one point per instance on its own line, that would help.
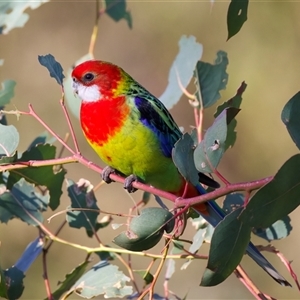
(7, 92)
(70, 280)
(41, 139)
(146, 275)
(12, 13)
(28, 257)
(22, 202)
(278, 230)
(210, 79)
(103, 279)
(55, 69)
(209, 152)
(40, 175)
(146, 197)
(82, 197)
(290, 117)
(116, 9)
(14, 282)
(228, 245)
(9, 140)
(8, 159)
(183, 157)
(178, 247)
(236, 16)
(232, 202)
(72, 99)
(146, 230)
(104, 255)
(276, 199)
(182, 70)
(235, 101)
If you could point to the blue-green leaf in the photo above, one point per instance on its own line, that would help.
(210, 79)
(236, 16)
(182, 70)
(290, 117)
(12, 13)
(228, 245)
(183, 157)
(232, 202)
(235, 101)
(84, 201)
(9, 140)
(43, 175)
(70, 280)
(277, 199)
(116, 9)
(209, 152)
(7, 92)
(23, 202)
(55, 69)
(103, 279)
(146, 230)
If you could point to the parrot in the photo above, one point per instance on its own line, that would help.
(133, 133)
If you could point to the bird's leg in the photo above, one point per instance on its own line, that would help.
(129, 181)
(107, 171)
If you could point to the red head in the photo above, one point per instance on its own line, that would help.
(94, 80)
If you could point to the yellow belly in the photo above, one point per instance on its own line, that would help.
(136, 150)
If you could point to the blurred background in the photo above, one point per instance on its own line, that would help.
(265, 54)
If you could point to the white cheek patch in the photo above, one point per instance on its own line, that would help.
(88, 93)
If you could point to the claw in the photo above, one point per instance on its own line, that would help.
(128, 183)
(107, 171)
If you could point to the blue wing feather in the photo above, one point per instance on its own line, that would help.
(153, 119)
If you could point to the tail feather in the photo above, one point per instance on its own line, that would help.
(216, 214)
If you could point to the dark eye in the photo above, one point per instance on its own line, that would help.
(88, 77)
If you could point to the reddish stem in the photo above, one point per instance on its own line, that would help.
(70, 125)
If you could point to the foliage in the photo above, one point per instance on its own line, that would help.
(32, 181)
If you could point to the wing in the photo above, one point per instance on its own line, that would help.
(154, 115)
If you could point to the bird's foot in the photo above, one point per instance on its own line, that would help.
(107, 171)
(128, 183)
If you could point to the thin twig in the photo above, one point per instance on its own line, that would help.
(248, 283)
(243, 186)
(38, 163)
(129, 270)
(150, 289)
(58, 230)
(45, 275)
(95, 29)
(285, 261)
(70, 126)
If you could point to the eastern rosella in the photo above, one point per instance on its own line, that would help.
(133, 133)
